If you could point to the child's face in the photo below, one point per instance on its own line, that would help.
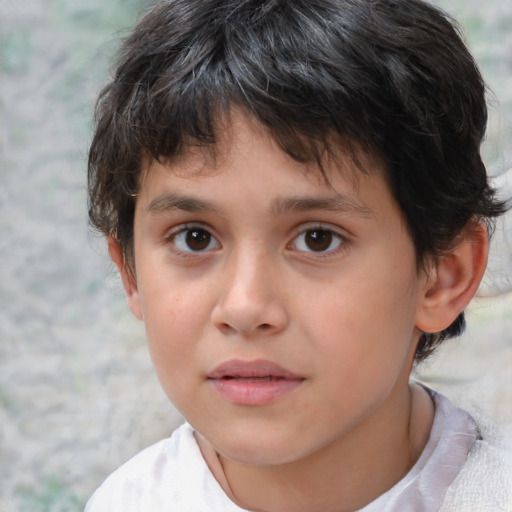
(256, 269)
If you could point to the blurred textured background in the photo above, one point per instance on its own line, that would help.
(77, 393)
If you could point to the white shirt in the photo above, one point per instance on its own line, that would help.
(172, 475)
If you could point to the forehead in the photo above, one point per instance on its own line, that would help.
(319, 161)
(247, 174)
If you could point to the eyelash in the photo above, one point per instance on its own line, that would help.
(185, 249)
(334, 237)
(212, 244)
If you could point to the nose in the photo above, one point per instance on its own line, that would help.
(249, 302)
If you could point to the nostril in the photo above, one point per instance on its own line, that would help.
(265, 327)
(226, 328)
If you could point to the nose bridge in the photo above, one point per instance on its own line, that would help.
(247, 284)
(250, 300)
(249, 270)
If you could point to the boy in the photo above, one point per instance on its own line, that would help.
(295, 199)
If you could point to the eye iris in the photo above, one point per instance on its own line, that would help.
(318, 240)
(198, 239)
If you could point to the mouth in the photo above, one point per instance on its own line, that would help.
(258, 369)
(251, 379)
(253, 383)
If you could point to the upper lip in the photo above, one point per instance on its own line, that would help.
(247, 369)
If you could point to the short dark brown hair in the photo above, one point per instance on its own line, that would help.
(392, 76)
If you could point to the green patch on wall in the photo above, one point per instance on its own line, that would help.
(15, 51)
(5, 400)
(51, 496)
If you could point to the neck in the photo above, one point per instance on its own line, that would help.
(346, 474)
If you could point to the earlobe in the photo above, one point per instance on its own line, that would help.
(453, 281)
(127, 277)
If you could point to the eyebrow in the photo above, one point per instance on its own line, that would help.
(170, 201)
(339, 203)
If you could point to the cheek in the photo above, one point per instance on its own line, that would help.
(363, 323)
(173, 320)
(172, 343)
(170, 298)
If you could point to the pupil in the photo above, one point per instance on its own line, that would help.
(318, 240)
(198, 239)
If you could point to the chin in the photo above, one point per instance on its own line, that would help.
(261, 451)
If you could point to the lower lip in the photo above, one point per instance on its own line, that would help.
(254, 392)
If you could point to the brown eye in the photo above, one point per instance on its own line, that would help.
(318, 240)
(194, 240)
(198, 239)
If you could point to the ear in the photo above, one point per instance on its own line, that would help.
(127, 277)
(453, 280)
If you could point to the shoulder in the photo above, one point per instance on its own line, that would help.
(169, 476)
(485, 481)
(139, 479)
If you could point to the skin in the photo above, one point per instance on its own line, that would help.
(345, 319)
